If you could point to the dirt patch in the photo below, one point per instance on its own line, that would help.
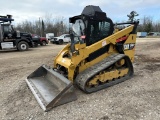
(151, 64)
(104, 118)
(18, 100)
(152, 67)
(146, 58)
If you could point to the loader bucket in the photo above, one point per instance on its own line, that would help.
(50, 88)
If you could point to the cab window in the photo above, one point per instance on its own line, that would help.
(6, 28)
(98, 31)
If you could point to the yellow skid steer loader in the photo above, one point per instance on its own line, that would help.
(100, 55)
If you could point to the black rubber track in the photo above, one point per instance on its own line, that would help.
(84, 77)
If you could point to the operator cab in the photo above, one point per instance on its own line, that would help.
(91, 26)
(6, 28)
(8, 31)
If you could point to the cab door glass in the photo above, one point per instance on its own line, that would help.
(104, 29)
(6, 28)
(98, 31)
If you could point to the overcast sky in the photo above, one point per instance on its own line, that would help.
(116, 9)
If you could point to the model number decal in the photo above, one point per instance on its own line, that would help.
(128, 46)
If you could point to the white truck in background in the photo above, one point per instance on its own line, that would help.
(65, 38)
(50, 36)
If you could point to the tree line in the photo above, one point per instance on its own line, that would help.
(40, 27)
(148, 25)
(60, 26)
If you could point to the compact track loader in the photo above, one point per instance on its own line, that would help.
(100, 55)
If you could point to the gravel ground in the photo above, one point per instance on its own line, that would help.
(135, 99)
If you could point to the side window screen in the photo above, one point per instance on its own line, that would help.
(104, 28)
(94, 36)
(99, 30)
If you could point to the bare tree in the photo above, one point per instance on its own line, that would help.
(49, 24)
(148, 25)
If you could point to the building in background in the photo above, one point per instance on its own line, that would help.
(141, 34)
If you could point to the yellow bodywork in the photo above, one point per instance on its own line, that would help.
(108, 76)
(76, 62)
